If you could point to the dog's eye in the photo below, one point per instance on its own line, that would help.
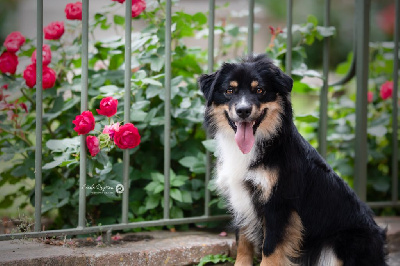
(259, 91)
(229, 91)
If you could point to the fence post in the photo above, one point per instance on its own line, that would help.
(84, 107)
(289, 14)
(39, 116)
(250, 36)
(395, 140)
(167, 110)
(127, 97)
(211, 21)
(323, 97)
(361, 148)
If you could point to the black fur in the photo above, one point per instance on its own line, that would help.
(331, 214)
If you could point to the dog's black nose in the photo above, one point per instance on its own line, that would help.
(243, 110)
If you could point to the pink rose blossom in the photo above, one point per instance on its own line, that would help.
(111, 129)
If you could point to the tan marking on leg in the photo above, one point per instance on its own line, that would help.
(290, 246)
(234, 83)
(245, 252)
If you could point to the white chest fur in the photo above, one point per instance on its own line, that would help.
(232, 171)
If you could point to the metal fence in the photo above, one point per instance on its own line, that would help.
(359, 69)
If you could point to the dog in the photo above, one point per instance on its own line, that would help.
(288, 205)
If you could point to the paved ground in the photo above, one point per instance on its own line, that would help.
(150, 248)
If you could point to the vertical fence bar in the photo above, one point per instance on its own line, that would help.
(361, 151)
(84, 107)
(323, 98)
(395, 140)
(39, 116)
(167, 109)
(289, 21)
(127, 97)
(250, 36)
(211, 23)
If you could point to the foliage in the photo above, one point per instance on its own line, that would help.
(106, 76)
(188, 149)
(215, 259)
(341, 127)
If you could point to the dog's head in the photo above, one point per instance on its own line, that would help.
(246, 100)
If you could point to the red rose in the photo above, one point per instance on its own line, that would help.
(46, 55)
(93, 145)
(137, 7)
(84, 123)
(119, 1)
(14, 41)
(386, 90)
(30, 75)
(8, 62)
(74, 11)
(48, 76)
(108, 106)
(370, 96)
(54, 30)
(127, 137)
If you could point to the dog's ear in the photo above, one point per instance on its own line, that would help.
(206, 84)
(284, 80)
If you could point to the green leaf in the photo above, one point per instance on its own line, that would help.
(377, 131)
(188, 161)
(60, 145)
(152, 202)
(200, 17)
(120, 20)
(312, 19)
(326, 31)
(186, 197)
(307, 118)
(176, 194)
(210, 145)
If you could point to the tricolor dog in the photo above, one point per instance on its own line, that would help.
(289, 206)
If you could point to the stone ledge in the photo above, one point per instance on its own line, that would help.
(165, 249)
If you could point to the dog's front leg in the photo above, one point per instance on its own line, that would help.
(245, 251)
(282, 239)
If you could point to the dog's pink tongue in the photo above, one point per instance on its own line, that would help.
(244, 136)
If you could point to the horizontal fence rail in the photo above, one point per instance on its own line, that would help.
(359, 68)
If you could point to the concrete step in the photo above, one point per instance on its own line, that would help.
(146, 248)
(165, 248)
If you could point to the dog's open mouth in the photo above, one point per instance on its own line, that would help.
(245, 131)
